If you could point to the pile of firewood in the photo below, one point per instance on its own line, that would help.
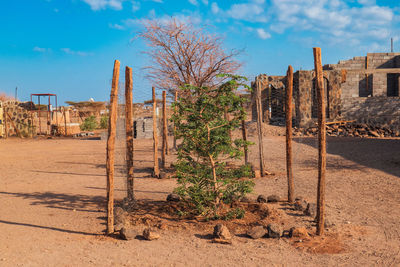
(349, 128)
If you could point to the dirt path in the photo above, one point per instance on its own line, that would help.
(52, 207)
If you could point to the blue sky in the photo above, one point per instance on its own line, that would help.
(67, 47)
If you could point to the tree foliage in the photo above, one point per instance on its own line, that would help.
(182, 53)
(205, 181)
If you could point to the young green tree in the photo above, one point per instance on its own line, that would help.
(205, 181)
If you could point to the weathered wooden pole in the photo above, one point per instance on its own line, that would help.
(65, 122)
(110, 148)
(164, 130)
(5, 124)
(129, 133)
(321, 140)
(245, 147)
(260, 128)
(165, 123)
(176, 101)
(289, 170)
(156, 171)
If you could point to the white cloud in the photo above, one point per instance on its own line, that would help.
(135, 6)
(335, 21)
(205, 2)
(263, 34)
(247, 11)
(194, 2)
(41, 50)
(214, 8)
(69, 51)
(103, 4)
(116, 26)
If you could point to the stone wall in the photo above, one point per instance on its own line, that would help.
(21, 119)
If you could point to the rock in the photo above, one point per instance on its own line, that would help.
(273, 198)
(149, 234)
(173, 197)
(222, 232)
(120, 216)
(311, 210)
(163, 175)
(257, 232)
(374, 133)
(118, 227)
(263, 209)
(300, 204)
(274, 230)
(245, 200)
(261, 199)
(127, 233)
(299, 232)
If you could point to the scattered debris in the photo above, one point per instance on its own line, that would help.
(298, 232)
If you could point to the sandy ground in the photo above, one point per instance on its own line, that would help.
(52, 195)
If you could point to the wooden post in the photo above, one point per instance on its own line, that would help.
(110, 148)
(165, 124)
(65, 122)
(260, 128)
(289, 170)
(156, 171)
(176, 100)
(245, 147)
(164, 130)
(129, 133)
(321, 141)
(5, 123)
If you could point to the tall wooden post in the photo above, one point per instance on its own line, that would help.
(245, 147)
(176, 100)
(321, 140)
(289, 170)
(156, 171)
(260, 128)
(164, 130)
(5, 124)
(129, 132)
(65, 122)
(111, 148)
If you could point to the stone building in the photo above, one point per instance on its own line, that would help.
(365, 89)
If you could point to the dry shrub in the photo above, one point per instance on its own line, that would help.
(5, 97)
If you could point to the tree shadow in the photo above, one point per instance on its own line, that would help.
(376, 153)
(63, 201)
(49, 228)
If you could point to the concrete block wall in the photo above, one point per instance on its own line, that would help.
(383, 111)
(21, 118)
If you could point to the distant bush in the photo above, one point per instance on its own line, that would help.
(104, 122)
(89, 124)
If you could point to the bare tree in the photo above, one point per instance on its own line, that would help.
(182, 53)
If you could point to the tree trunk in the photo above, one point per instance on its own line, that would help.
(321, 141)
(129, 133)
(110, 148)
(176, 100)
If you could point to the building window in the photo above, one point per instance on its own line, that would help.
(393, 84)
(365, 86)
